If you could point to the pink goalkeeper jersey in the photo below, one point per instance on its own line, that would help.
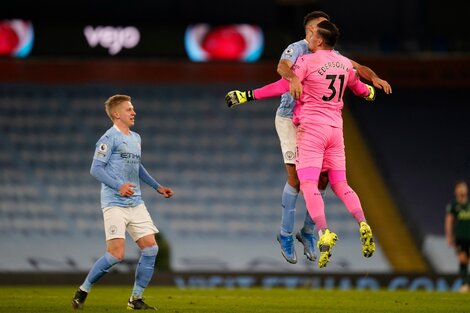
(324, 76)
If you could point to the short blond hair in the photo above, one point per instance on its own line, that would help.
(113, 102)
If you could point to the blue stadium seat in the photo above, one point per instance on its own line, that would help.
(224, 165)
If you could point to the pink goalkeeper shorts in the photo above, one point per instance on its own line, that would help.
(320, 146)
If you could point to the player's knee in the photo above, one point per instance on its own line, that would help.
(119, 257)
(150, 251)
(292, 177)
(118, 254)
(339, 187)
(337, 176)
(294, 182)
(310, 186)
(113, 259)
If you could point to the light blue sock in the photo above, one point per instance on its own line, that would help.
(144, 270)
(309, 225)
(98, 270)
(289, 198)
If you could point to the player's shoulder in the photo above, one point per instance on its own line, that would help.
(296, 48)
(109, 135)
(305, 58)
(299, 43)
(451, 206)
(339, 55)
(343, 58)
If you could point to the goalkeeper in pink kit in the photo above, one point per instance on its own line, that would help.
(325, 75)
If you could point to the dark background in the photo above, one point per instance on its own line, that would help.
(418, 135)
(367, 27)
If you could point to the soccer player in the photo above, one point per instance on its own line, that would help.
(117, 165)
(287, 136)
(320, 142)
(457, 230)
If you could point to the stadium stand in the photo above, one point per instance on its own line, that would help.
(425, 151)
(224, 166)
(418, 139)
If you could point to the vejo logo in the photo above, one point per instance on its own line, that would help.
(112, 38)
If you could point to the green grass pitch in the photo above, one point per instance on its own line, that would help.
(114, 299)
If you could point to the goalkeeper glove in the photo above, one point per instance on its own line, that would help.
(236, 97)
(371, 96)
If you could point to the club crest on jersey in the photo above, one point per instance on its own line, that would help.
(112, 229)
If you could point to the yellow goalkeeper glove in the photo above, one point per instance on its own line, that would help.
(236, 97)
(371, 96)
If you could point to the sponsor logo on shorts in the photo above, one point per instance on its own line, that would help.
(290, 155)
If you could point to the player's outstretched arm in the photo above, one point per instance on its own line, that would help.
(236, 97)
(361, 89)
(368, 74)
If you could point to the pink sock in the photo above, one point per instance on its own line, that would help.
(272, 90)
(314, 202)
(350, 199)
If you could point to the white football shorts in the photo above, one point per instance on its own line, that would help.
(286, 131)
(136, 220)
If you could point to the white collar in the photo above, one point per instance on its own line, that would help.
(115, 126)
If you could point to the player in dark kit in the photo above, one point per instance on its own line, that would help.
(457, 229)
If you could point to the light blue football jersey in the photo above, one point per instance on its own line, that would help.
(121, 153)
(291, 53)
